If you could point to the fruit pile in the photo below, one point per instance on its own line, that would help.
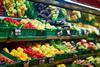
(11, 22)
(79, 27)
(4, 60)
(27, 23)
(81, 63)
(52, 48)
(21, 7)
(89, 61)
(33, 53)
(76, 29)
(9, 6)
(39, 50)
(47, 50)
(61, 65)
(95, 60)
(64, 46)
(83, 44)
(19, 53)
(97, 46)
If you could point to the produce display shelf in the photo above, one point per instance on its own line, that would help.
(58, 37)
(31, 41)
(28, 38)
(54, 62)
(88, 55)
(68, 60)
(43, 38)
(71, 5)
(2, 17)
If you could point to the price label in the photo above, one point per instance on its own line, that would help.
(59, 33)
(87, 33)
(41, 61)
(80, 32)
(68, 32)
(17, 32)
(51, 60)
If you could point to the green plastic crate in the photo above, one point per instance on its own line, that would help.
(3, 23)
(40, 33)
(23, 33)
(63, 56)
(76, 65)
(4, 32)
(58, 57)
(93, 35)
(50, 32)
(74, 32)
(35, 62)
(65, 33)
(82, 52)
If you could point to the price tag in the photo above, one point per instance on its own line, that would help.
(26, 64)
(41, 61)
(87, 33)
(17, 32)
(51, 60)
(59, 33)
(80, 32)
(68, 32)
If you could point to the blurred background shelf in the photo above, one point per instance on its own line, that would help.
(71, 5)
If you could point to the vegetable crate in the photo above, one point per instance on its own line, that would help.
(23, 33)
(4, 33)
(53, 32)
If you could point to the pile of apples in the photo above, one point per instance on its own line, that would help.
(83, 44)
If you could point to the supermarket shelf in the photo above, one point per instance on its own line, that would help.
(2, 17)
(69, 37)
(71, 5)
(60, 61)
(58, 37)
(53, 64)
(67, 60)
(28, 38)
(44, 38)
(88, 55)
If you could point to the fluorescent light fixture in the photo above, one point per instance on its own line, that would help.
(82, 5)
